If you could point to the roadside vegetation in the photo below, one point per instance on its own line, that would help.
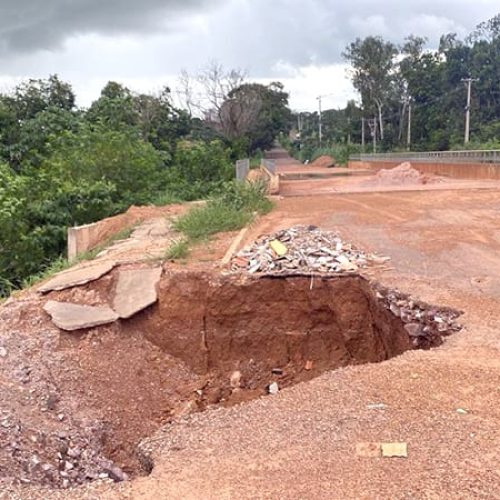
(390, 79)
(234, 206)
(63, 166)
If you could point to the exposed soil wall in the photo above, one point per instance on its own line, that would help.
(455, 170)
(221, 325)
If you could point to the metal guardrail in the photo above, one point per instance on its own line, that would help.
(269, 164)
(242, 168)
(491, 156)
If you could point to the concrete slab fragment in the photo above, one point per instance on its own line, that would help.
(394, 450)
(135, 290)
(77, 276)
(71, 317)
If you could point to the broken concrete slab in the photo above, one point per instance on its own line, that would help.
(71, 317)
(136, 290)
(77, 276)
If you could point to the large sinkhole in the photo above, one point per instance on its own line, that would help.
(209, 341)
(245, 338)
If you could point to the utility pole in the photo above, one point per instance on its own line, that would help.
(408, 137)
(320, 131)
(363, 134)
(468, 81)
(320, 125)
(373, 129)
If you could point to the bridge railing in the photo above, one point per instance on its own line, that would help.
(269, 164)
(479, 156)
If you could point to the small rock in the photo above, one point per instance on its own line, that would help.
(309, 365)
(235, 379)
(277, 371)
(3, 352)
(116, 474)
(273, 388)
(413, 329)
(461, 411)
(395, 310)
(74, 452)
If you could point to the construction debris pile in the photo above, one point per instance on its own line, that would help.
(302, 249)
(308, 249)
(425, 324)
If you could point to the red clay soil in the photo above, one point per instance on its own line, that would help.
(303, 441)
(324, 161)
(95, 394)
(403, 174)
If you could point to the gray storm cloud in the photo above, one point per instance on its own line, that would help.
(30, 25)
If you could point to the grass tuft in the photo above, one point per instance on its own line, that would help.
(178, 250)
(233, 207)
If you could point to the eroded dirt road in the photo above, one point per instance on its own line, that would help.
(444, 403)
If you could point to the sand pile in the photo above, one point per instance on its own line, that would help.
(324, 161)
(401, 175)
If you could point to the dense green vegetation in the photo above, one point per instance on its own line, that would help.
(390, 78)
(62, 166)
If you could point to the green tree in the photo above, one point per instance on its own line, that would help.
(372, 67)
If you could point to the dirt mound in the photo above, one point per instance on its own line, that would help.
(402, 175)
(256, 175)
(324, 161)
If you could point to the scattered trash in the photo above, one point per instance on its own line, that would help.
(303, 249)
(390, 450)
(3, 352)
(278, 248)
(461, 411)
(376, 406)
(273, 388)
(277, 371)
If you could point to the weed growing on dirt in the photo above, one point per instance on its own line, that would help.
(178, 250)
(233, 207)
(201, 222)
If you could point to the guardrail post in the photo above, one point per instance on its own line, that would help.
(242, 168)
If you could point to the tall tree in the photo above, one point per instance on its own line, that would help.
(372, 66)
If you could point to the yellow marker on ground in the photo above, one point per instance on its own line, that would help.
(278, 248)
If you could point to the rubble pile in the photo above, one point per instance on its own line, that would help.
(308, 249)
(302, 249)
(425, 324)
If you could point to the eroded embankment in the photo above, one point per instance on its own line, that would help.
(210, 340)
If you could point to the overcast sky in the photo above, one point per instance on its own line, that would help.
(146, 43)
